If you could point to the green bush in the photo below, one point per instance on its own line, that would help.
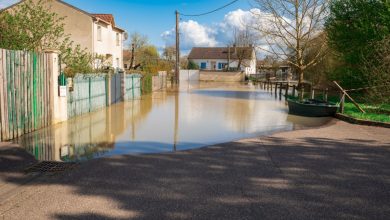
(146, 83)
(352, 27)
(192, 65)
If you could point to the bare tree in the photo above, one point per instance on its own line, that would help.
(169, 53)
(288, 27)
(243, 38)
(137, 41)
(242, 44)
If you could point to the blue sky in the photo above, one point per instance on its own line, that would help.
(156, 18)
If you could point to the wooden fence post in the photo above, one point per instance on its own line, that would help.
(123, 86)
(342, 100)
(293, 92)
(276, 89)
(325, 95)
(108, 79)
(280, 90)
(286, 92)
(2, 93)
(350, 98)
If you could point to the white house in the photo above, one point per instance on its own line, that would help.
(224, 58)
(108, 40)
(97, 33)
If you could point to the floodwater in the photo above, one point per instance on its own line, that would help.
(188, 117)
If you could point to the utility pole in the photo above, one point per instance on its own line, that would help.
(177, 69)
(228, 66)
(132, 56)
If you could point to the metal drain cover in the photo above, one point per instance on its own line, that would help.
(50, 167)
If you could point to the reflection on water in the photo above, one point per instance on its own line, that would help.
(178, 119)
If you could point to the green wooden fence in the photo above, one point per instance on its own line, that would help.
(132, 85)
(89, 94)
(90, 91)
(26, 92)
(25, 82)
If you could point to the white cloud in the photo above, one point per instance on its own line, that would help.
(240, 19)
(192, 34)
(6, 3)
(217, 34)
(221, 33)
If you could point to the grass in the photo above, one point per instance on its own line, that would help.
(373, 113)
(379, 113)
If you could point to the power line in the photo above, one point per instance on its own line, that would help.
(206, 13)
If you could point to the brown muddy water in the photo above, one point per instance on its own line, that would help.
(190, 117)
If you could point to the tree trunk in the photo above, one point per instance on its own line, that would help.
(132, 56)
(300, 83)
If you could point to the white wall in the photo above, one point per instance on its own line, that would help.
(233, 64)
(189, 75)
(108, 45)
(251, 69)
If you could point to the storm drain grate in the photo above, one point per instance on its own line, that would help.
(50, 167)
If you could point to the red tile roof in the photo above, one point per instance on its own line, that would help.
(106, 17)
(220, 53)
(126, 54)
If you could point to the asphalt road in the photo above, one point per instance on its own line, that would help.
(340, 171)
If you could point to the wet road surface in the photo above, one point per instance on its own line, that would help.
(174, 120)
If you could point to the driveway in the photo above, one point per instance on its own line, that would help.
(340, 171)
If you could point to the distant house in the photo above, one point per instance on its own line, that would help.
(97, 33)
(224, 58)
(274, 70)
(126, 59)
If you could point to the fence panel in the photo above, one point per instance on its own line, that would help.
(24, 92)
(89, 94)
(132, 86)
(115, 81)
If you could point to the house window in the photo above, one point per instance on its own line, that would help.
(117, 63)
(203, 65)
(99, 33)
(222, 66)
(117, 39)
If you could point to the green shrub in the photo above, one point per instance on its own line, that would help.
(146, 83)
(192, 65)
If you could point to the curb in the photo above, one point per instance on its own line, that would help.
(352, 120)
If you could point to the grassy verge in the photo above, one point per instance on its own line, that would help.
(373, 113)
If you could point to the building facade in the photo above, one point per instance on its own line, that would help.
(97, 33)
(224, 58)
(276, 70)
